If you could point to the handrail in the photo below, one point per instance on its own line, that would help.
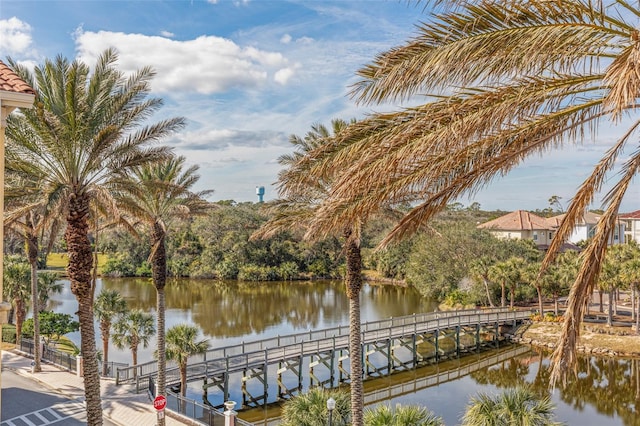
(249, 354)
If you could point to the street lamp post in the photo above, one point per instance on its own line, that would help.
(331, 405)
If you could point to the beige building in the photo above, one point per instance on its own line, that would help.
(521, 224)
(632, 230)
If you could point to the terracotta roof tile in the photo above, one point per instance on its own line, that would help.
(519, 220)
(632, 215)
(11, 82)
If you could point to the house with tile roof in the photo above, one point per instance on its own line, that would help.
(585, 228)
(632, 230)
(520, 224)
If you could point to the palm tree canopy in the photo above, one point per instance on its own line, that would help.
(87, 126)
(132, 329)
(161, 191)
(505, 80)
(108, 305)
(182, 343)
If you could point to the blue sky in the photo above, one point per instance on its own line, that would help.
(248, 74)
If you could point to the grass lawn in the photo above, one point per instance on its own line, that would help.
(59, 261)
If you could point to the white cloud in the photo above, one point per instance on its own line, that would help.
(283, 75)
(205, 65)
(167, 34)
(285, 39)
(15, 36)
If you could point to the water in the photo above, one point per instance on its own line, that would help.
(607, 391)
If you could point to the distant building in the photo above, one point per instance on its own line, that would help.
(632, 221)
(520, 225)
(525, 225)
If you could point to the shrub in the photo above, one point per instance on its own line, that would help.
(9, 333)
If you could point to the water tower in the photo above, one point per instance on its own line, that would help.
(260, 192)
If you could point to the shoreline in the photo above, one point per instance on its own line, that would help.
(595, 339)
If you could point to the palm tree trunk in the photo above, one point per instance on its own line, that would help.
(32, 254)
(353, 284)
(21, 313)
(503, 298)
(540, 304)
(105, 328)
(183, 379)
(159, 275)
(486, 288)
(79, 271)
(610, 309)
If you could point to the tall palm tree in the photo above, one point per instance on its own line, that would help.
(158, 194)
(516, 407)
(109, 305)
(132, 329)
(302, 193)
(181, 344)
(88, 126)
(510, 79)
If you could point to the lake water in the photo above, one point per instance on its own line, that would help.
(606, 392)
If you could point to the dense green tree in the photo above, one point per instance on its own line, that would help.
(53, 325)
(89, 125)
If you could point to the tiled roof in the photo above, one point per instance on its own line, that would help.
(632, 215)
(519, 220)
(11, 82)
(589, 218)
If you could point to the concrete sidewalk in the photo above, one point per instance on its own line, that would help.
(120, 404)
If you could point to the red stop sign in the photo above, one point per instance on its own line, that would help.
(160, 402)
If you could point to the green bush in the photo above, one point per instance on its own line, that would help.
(9, 333)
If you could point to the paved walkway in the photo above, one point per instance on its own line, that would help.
(120, 404)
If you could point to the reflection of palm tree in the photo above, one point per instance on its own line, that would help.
(181, 344)
(131, 330)
(519, 407)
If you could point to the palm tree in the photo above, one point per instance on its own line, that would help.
(501, 273)
(302, 193)
(132, 329)
(310, 408)
(511, 79)
(516, 407)
(181, 344)
(403, 415)
(480, 271)
(158, 194)
(88, 126)
(17, 289)
(109, 305)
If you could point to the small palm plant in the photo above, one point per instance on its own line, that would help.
(181, 344)
(413, 415)
(310, 409)
(516, 407)
(132, 329)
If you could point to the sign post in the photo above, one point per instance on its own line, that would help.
(159, 403)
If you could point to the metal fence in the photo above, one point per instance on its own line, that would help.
(66, 360)
(202, 413)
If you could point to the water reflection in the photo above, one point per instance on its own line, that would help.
(606, 391)
(230, 312)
